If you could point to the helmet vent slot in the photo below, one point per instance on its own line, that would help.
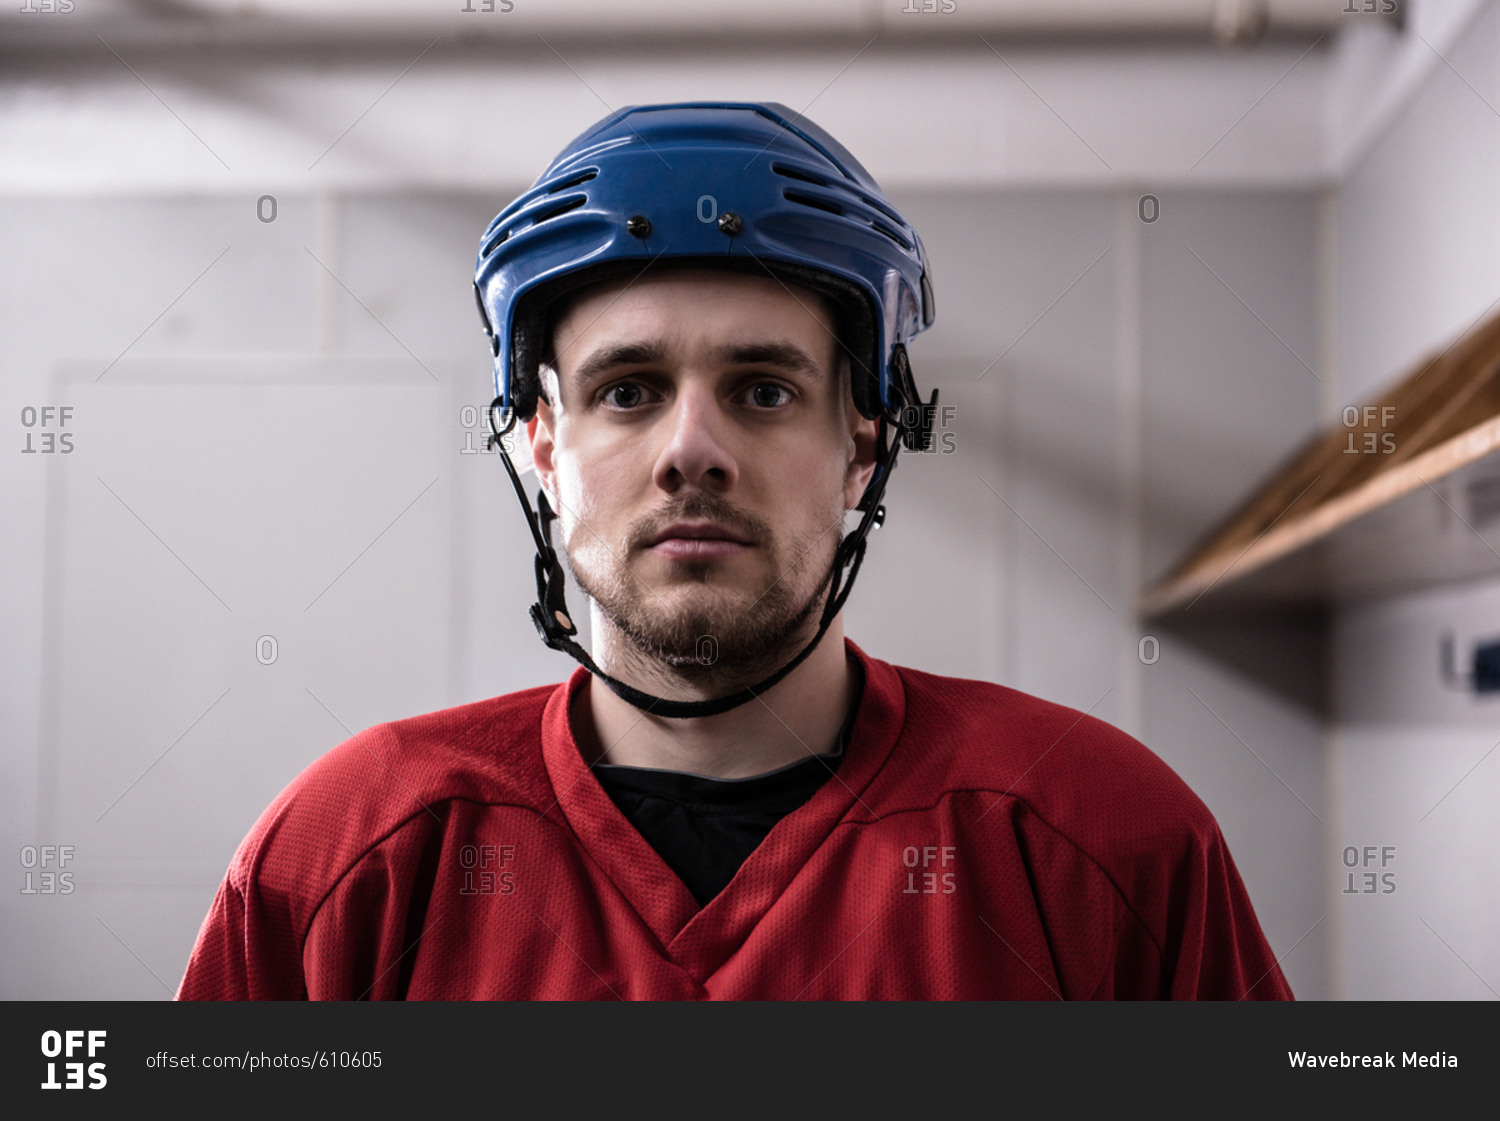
(893, 235)
(574, 180)
(795, 173)
(810, 200)
(496, 243)
(876, 204)
(561, 208)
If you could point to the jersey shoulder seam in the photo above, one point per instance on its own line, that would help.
(358, 859)
(1103, 871)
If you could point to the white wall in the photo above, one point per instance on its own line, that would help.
(1412, 762)
(276, 432)
(267, 431)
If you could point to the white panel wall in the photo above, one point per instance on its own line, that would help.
(277, 425)
(1413, 763)
(285, 413)
(1230, 309)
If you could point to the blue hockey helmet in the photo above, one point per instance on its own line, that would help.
(745, 186)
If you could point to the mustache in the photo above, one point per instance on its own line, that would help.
(697, 507)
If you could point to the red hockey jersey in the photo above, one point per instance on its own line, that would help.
(976, 842)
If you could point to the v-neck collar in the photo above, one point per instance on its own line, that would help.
(700, 939)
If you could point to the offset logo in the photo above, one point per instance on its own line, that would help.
(66, 1045)
(1362, 863)
(46, 425)
(43, 864)
(932, 879)
(487, 869)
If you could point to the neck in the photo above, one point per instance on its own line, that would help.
(792, 720)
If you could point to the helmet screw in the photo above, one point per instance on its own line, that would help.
(638, 226)
(731, 223)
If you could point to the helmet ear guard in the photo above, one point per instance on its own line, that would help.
(914, 416)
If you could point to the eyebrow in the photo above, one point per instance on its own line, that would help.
(624, 354)
(783, 354)
(789, 356)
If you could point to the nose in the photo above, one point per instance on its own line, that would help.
(696, 452)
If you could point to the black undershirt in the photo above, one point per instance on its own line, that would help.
(704, 828)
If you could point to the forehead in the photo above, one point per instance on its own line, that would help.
(693, 308)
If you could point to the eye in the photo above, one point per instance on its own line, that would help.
(625, 395)
(769, 395)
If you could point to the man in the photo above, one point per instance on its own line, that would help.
(700, 314)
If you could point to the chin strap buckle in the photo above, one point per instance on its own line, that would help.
(550, 611)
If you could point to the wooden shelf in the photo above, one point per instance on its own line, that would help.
(1406, 497)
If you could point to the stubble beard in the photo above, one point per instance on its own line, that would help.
(701, 631)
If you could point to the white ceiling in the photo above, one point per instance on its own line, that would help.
(222, 98)
(273, 20)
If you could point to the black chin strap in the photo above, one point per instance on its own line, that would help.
(555, 624)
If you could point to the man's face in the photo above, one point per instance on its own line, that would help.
(701, 448)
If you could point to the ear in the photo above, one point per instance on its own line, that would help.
(540, 431)
(865, 436)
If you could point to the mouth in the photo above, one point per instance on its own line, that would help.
(698, 541)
